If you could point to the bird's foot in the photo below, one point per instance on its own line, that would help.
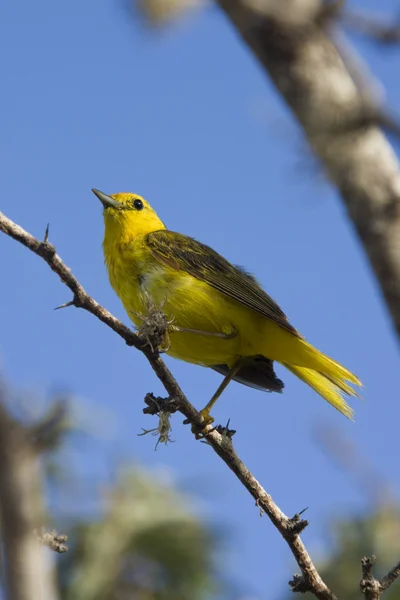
(200, 430)
(207, 418)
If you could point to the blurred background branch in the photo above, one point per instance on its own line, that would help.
(305, 62)
(26, 573)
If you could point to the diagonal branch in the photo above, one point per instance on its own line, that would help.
(390, 578)
(315, 78)
(219, 438)
(289, 528)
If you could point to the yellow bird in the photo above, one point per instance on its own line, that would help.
(221, 316)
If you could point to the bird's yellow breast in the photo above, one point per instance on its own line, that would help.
(188, 302)
(199, 290)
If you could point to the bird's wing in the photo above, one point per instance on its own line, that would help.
(182, 253)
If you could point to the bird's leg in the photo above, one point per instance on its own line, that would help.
(205, 412)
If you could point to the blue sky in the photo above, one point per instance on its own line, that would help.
(185, 117)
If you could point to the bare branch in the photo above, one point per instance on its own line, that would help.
(219, 438)
(368, 584)
(373, 588)
(390, 578)
(312, 74)
(27, 576)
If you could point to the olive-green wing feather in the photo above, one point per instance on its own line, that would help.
(183, 253)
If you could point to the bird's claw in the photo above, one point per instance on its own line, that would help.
(199, 431)
(207, 418)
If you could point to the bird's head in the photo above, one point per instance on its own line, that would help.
(127, 215)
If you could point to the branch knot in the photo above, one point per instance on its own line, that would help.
(47, 250)
(296, 524)
(299, 584)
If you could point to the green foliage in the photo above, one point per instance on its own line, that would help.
(147, 544)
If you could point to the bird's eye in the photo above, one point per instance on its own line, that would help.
(138, 204)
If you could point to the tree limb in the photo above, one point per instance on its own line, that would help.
(390, 578)
(373, 588)
(219, 439)
(26, 573)
(312, 75)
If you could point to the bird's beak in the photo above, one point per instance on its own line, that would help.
(106, 201)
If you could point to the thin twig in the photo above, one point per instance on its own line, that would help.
(390, 578)
(222, 444)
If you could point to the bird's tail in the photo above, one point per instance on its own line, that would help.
(328, 378)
